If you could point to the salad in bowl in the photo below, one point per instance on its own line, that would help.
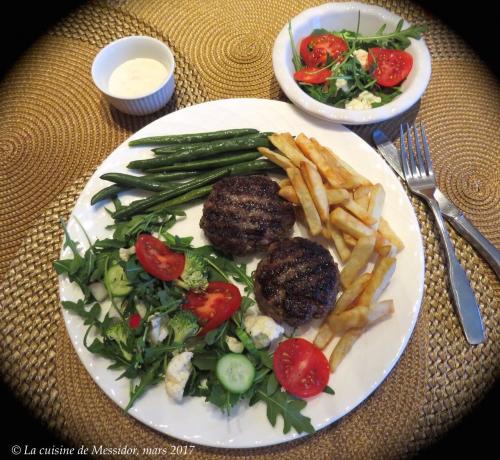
(351, 63)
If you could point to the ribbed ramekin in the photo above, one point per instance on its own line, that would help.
(133, 47)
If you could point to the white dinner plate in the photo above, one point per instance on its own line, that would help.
(371, 358)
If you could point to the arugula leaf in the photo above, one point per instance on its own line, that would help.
(272, 385)
(297, 62)
(153, 354)
(281, 403)
(222, 398)
(151, 377)
(177, 243)
(386, 96)
(260, 375)
(127, 230)
(205, 361)
(399, 39)
(109, 350)
(227, 267)
(266, 358)
(319, 31)
(63, 266)
(108, 243)
(217, 334)
(329, 390)
(90, 316)
(68, 242)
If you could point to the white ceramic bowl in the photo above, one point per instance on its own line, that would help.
(337, 16)
(133, 47)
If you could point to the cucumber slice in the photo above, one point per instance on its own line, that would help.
(235, 372)
(117, 281)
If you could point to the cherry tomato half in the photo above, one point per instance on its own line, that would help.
(301, 367)
(316, 49)
(390, 67)
(214, 305)
(158, 259)
(312, 75)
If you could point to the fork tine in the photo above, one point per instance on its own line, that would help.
(420, 158)
(411, 155)
(427, 154)
(404, 154)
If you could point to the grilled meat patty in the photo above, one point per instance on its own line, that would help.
(296, 281)
(244, 214)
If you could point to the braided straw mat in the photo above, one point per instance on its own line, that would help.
(57, 129)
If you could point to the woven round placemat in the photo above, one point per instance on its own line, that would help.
(59, 129)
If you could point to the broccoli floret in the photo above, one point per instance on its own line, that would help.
(118, 332)
(184, 325)
(195, 274)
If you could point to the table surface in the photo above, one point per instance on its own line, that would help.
(58, 129)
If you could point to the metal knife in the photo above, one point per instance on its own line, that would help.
(461, 224)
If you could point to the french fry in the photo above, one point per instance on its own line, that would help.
(358, 260)
(388, 250)
(360, 180)
(337, 195)
(349, 224)
(349, 240)
(342, 348)
(359, 317)
(361, 191)
(356, 317)
(381, 275)
(380, 310)
(316, 188)
(351, 293)
(352, 178)
(341, 246)
(388, 233)
(358, 211)
(324, 336)
(289, 194)
(311, 152)
(310, 212)
(376, 204)
(284, 183)
(285, 143)
(362, 196)
(384, 247)
(343, 177)
(276, 158)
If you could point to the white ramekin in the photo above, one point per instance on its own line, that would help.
(133, 47)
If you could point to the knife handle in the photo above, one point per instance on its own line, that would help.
(461, 290)
(478, 241)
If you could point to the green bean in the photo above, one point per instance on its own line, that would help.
(224, 146)
(176, 148)
(140, 205)
(230, 144)
(253, 167)
(194, 137)
(219, 161)
(107, 192)
(113, 190)
(182, 199)
(171, 176)
(140, 182)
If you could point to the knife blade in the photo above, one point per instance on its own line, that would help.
(456, 218)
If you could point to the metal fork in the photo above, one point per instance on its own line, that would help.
(419, 175)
